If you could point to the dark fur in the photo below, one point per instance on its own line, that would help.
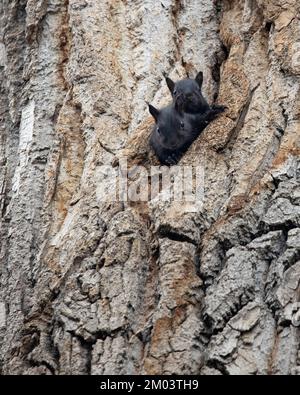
(180, 123)
(189, 92)
(175, 131)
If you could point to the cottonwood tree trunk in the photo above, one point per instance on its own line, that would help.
(90, 286)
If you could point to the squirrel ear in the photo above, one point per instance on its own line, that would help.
(199, 79)
(153, 111)
(170, 84)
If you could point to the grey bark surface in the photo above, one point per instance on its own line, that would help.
(93, 287)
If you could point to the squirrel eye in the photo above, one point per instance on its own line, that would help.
(182, 125)
(174, 92)
(158, 131)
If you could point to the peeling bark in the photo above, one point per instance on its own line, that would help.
(93, 287)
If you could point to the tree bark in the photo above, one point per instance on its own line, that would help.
(99, 287)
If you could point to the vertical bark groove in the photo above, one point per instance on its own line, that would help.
(104, 287)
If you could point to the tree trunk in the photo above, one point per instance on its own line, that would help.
(96, 286)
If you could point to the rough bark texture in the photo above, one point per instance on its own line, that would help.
(108, 288)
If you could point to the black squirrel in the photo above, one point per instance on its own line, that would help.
(180, 123)
(175, 130)
(189, 92)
